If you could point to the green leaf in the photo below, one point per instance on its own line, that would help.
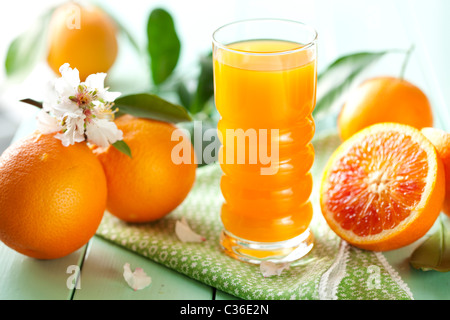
(183, 94)
(163, 45)
(150, 106)
(123, 147)
(434, 253)
(29, 47)
(205, 85)
(334, 83)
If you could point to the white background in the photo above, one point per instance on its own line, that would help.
(344, 26)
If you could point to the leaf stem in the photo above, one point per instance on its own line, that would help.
(405, 62)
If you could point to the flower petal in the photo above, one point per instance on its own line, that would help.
(109, 96)
(185, 233)
(46, 123)
(80, 110)
(73, 128)
(69, 81)
(64, 107)
(96, 81)
(102, 132)
(51, 98)
(138, 279)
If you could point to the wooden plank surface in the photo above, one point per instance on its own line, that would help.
(24, 278)
(220, 295)
(102, 277)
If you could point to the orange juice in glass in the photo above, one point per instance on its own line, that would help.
(265, 91)
(265, 78)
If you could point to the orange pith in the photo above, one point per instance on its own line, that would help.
(383, 189)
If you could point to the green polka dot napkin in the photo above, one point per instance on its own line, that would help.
(332, 270)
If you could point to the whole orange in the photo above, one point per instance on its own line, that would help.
(441, 140)
(384, 99)
(83, 36)
(150, 184)
(52, 198)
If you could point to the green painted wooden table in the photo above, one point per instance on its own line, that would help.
(101, 262)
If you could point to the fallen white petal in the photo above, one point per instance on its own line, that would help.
(138, 279)
(185, 233)
(269, 268)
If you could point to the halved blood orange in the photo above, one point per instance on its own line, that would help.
(383, 188)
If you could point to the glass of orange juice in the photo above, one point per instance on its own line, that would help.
(265, 77)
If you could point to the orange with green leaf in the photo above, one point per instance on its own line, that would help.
(151, 183)
(384, 99)
(60, 216)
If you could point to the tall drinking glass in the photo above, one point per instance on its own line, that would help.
(265, 91)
